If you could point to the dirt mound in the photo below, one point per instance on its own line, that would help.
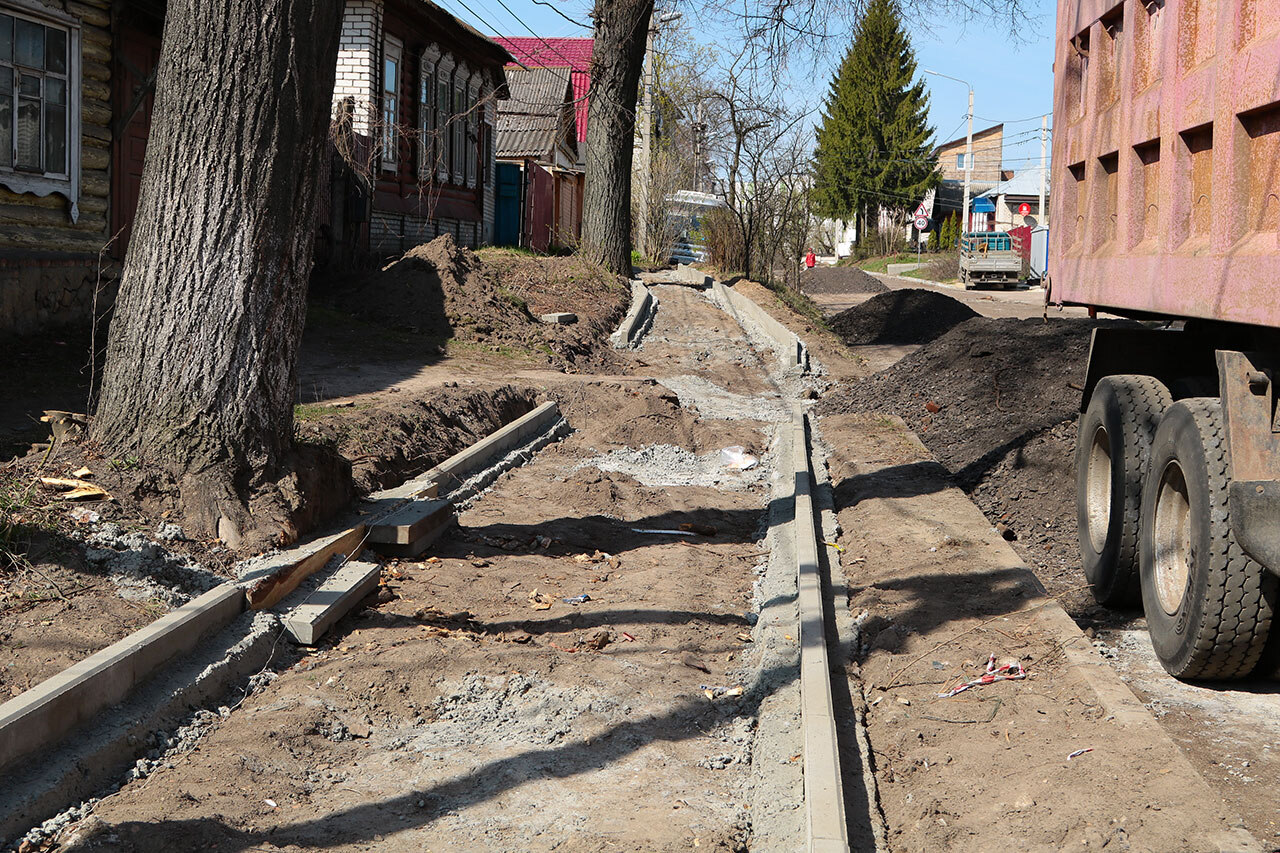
(841, 280)
(446, 292)
(909, 316)
(996, 402)
(391, 442)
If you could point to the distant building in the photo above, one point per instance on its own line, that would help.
(573, 53)
(539, 181)
(1008, 196)
(414, 106)
(986, 171)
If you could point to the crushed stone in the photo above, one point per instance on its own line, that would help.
(669, 465)
(716, 403)
(144, 570)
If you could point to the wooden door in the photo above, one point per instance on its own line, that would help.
(132, 97)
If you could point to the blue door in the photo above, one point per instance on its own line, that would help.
(506, 214)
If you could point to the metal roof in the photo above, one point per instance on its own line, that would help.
(1024, 183)
(537, 115)
(575, 53)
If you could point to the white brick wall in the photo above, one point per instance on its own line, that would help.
(358, 51)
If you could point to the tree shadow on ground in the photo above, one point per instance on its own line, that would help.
(367, 822)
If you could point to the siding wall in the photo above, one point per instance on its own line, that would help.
(48, 264)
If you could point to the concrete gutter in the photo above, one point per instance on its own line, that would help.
(644, 306)
(899, 269)
(782, 340)
(827, 831)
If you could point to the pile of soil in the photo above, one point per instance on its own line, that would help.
(840, 279)
(995, 401)
(446, 292)
(909, 316)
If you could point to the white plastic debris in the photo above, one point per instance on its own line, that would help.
(737, 458)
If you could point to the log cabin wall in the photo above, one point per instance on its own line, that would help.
(52, 229)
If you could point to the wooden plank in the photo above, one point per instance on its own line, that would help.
(268, 591)
(410, 522)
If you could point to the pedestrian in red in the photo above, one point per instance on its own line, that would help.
(810, 259)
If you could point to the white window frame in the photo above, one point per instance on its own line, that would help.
(444, 116)
(458, 131)
(962, 164)
(473, 129)
(66, 184)
(392, 51)
(427, 111)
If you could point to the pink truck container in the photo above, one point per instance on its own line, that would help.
(1166, 209)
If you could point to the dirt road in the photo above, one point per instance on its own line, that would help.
(556, 676)
(486, 707)
(1227, 733)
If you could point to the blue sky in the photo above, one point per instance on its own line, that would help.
(1011, 73)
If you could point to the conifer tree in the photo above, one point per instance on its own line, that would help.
(873, 146)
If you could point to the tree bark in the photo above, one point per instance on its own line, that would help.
(201, 363)
(621, 27)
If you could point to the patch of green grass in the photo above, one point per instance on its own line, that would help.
(514, 298)
(881, 264)
(19, 517)
(306, 412)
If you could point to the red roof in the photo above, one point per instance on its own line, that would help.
(558, 52)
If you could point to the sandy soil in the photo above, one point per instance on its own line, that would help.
(990, 768)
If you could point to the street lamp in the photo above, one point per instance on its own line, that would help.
(968, 147)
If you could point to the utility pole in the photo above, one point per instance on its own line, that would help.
(965, 225)
(1044, 166)
(646, 131)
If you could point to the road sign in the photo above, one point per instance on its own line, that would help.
(921, 222)
(921, 213)
(1024, 209)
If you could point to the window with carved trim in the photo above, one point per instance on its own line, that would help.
(391, 69)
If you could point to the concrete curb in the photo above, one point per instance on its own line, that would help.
(466, 463)
(99, 755)
(41, 719)
(898, 269)
(827, 831)
(41, 716)
(644, 305)
(786, 343)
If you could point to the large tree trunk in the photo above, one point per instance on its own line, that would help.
(200, 371)
(621, 27)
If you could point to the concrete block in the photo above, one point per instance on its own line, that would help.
(560, 318)
(410, 523)
(37, 718)
(334, 598)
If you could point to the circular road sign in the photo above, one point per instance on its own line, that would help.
(921, 223)
(1024, 209)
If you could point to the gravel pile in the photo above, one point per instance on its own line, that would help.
(909, 316)
(841, 280)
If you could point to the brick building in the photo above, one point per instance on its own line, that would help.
(415, 102)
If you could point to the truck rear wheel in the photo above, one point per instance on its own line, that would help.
(1208, 605)
(1113, 445)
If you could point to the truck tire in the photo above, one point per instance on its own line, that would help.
(1208, 605)
(1113, 444)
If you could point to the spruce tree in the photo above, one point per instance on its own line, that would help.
(873, 146)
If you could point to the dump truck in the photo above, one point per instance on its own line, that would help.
(989, 257)
(1166, 210)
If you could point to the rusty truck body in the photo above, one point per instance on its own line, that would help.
(1166, 209)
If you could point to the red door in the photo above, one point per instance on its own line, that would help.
(135, 61)
(540, 208)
